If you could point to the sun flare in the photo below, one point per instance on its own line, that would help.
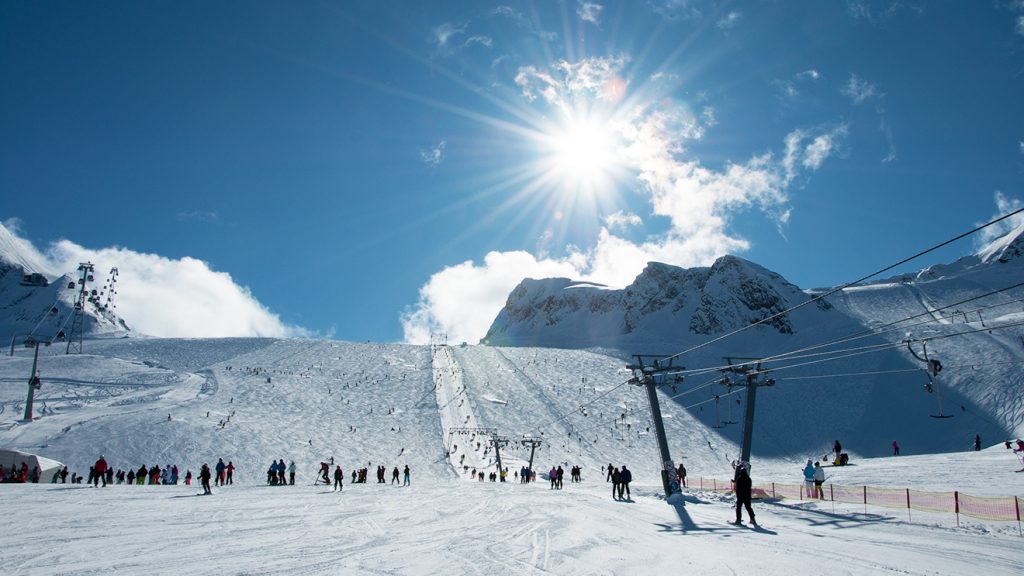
(583, 154)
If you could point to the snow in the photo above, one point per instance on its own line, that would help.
(370, 404)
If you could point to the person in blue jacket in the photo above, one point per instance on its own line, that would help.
(809, 478)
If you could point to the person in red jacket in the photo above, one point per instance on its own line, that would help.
(101, 472)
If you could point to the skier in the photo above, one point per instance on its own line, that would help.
(338, 476)
(838, 449)
(280, 472)
(743, 494)
(394, 475)
(204, 476)
(895, 448)
(220, 471)
(809, 478)
(230, 469)
(819, 479)
(325, 471)
(616, 478)
(188, 477)
(681, 472)
(625, 477)
(609, 478)
(100, 470)
(291, 473)
(405, 476)
(977, 442)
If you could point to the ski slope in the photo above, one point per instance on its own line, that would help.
(395, 405)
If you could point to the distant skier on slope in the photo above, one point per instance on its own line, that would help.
(338, 477)
(204, 475)
(809, 478)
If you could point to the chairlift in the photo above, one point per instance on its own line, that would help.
(30, 342)
(60, 336)
(94, 293)
(71, 285)
(54, 311)
(90, 278)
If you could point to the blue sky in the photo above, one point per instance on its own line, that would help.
(380, 170)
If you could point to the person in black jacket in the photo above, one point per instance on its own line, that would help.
(625, 477)
(743, 489)
(204, 475)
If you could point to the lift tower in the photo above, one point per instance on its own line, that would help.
(78, 322)
(644, 375)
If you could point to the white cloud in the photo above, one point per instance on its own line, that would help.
(446, 31)
(198, 216)
(481, 40)
(1020, 25)
(812, 75)
(859, 90)
(523, 22)
(696, 200)
(621, 220)
(1021, 146)
(167, 297)
(589, 12)
(434, 155)
(729, 21)
(675, 9)
(1004, 205)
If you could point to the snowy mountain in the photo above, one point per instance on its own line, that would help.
(669, 309)
(33, 303)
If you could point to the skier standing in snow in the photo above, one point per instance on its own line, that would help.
(681, 472)
(405, 476)
(204, 476)
(625, 477)
(220, 471)
(895, 448)
(291, 473)
(338, 476)
(809, 478)
(616, 478)
(838, 449)
(100, 470)
(743, 494)
(819, 479)
(394, 475)
(230, 470)
(977, 442)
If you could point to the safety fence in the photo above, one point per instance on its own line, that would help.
(1001, 509)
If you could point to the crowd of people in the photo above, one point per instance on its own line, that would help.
(359, 475)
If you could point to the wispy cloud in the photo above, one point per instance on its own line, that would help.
(697, 201)
(435, 154)
(811, 75)
(1004, 205)
(675, 9)
(1020, 25)
(523, 22)
(622, 220)
(447, 31)
(882, 11)
(168, 297)
(589, 12)
(729, 21)
(203, 216)
(859, 90)
(481, 40)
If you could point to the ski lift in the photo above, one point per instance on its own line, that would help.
(60, 336)
(30, 342)
(53, 311)
(71, 285)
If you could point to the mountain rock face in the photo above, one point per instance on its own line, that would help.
(663, 302)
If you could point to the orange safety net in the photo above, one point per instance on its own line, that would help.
(1004, 508)
(933, 501)
(888, 497)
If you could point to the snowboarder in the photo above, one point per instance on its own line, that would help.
(743, 494)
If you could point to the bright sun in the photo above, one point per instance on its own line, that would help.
(583, 154)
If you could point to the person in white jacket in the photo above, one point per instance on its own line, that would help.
(819, 479)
